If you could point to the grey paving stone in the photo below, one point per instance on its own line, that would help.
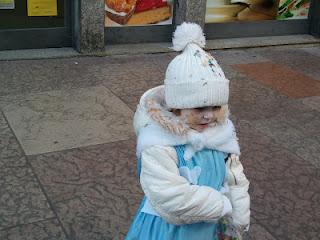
(9, 147)
(28, 76)
(297, 131)
(312, 102)
(13, 162)
(257, 232)
(89, 218)
(56, 120)
(237, 56)
(312, 50)
(66, 173)
(21, 199)
(95, 190)
(284, 188)
(44, 230)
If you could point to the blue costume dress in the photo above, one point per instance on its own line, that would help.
(206, 168)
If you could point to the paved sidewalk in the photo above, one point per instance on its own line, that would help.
(67, 147)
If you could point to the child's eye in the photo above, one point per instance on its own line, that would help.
(208, 108)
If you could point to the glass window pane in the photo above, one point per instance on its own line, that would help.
(293, 9)
(255, 10)
(138, 12)
(18, 18)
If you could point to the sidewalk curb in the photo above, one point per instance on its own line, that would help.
(163, 47)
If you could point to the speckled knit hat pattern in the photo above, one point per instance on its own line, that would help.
(194, 78)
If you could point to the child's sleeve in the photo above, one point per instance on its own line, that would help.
(172, 196)
(238, 193)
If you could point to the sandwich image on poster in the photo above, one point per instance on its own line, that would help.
(293, 9)
(222, 11)
(137, 12)
(240, 10)
(257, 10)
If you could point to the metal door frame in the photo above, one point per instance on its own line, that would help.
(138, 34)
(30, 38)
(154, 33)
(256, 28)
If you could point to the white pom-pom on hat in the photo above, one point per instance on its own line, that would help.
(194, 78)
(187, 33)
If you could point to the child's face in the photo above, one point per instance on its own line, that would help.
(199, 118)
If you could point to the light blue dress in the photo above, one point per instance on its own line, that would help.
(207, 168)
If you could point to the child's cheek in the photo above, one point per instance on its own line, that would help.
(193, 118)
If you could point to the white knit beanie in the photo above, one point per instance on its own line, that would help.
(194, 78)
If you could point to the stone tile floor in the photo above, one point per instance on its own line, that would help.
(67, 148)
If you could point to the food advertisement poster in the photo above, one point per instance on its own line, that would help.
(37, 8)
(241, 10)
(255, 10)
(6, 4)
(293, 9)
(138, 12)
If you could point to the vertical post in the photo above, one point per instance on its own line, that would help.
(190, 11)
(88, 25)
(314, 18)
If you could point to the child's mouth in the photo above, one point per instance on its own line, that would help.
(203, 125)
(200, 126)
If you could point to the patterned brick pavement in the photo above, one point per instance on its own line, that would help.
(67, 150)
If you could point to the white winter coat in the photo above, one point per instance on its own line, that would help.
(171, 195)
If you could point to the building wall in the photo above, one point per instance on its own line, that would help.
(81, 24)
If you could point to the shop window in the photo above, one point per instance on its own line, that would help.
(293, 9)
(20, 14)
(138, 12)
(255, 10)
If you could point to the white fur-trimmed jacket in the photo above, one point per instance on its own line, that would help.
(171, 195)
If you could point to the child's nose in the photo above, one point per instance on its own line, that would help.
(208, 114)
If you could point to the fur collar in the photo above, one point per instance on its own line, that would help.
(155, 125)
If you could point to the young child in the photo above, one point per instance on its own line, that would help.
(187, 149)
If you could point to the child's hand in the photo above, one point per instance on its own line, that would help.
(235, 171)
(238, 193)
(221, 237)
(227, 231)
